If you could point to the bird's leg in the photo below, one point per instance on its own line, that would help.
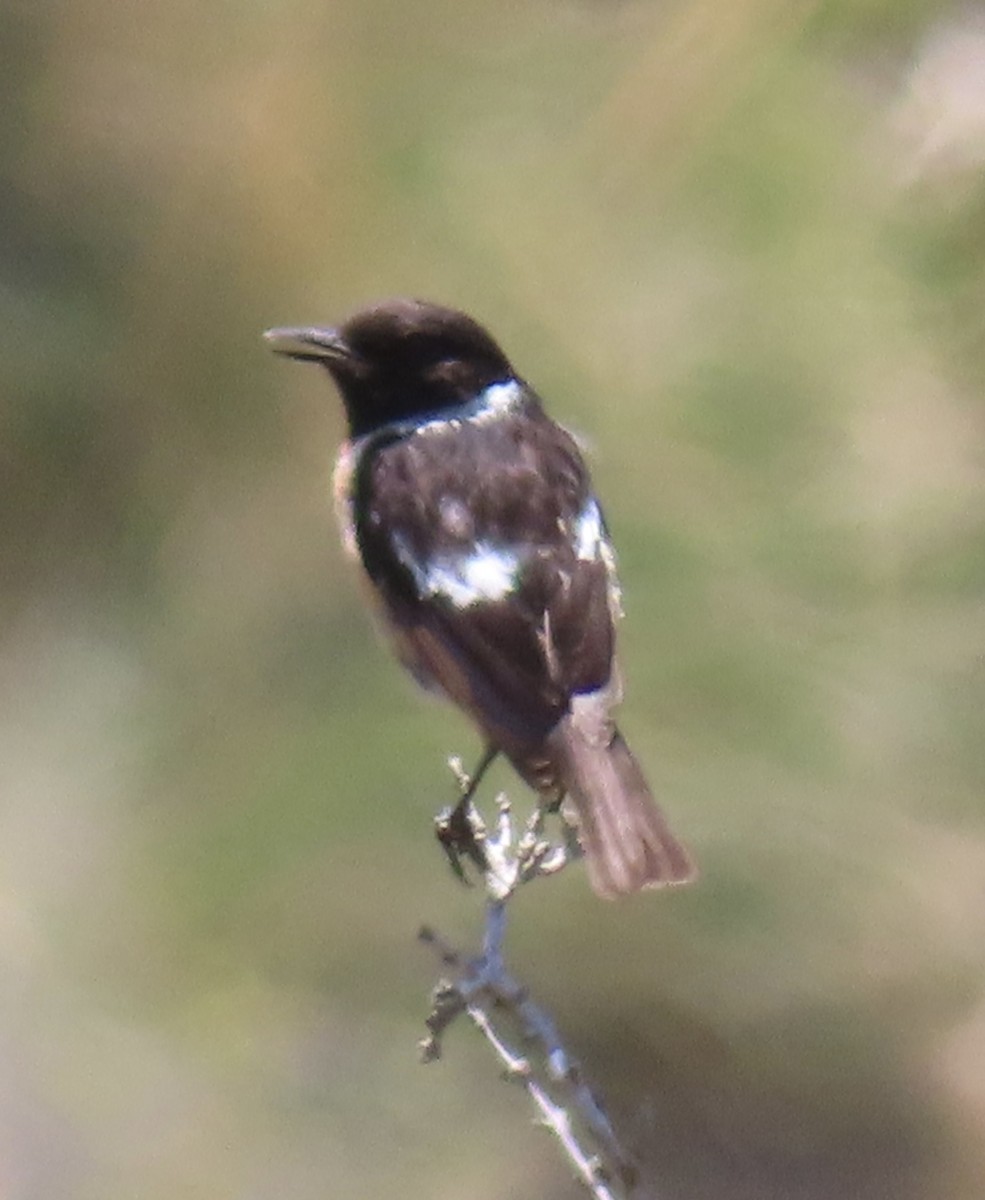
(552, 804)
(460, 830)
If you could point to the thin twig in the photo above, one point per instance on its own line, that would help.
(490, 996)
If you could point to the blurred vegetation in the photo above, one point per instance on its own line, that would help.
(741, 247)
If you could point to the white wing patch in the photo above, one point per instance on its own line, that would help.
(479, 575)
(487, 572)
(589, 532)
(592, 544)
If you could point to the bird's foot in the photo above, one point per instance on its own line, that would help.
(504, 857)
(461, 833)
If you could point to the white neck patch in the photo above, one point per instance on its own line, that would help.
(493, 402)
(497, 400)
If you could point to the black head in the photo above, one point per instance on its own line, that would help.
(400, 358)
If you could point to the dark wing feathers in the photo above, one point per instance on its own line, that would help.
(513, 654)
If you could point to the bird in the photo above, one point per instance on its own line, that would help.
(476, 523)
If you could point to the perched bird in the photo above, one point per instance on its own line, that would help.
(474, 517)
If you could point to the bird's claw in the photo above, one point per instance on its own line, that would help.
(461, 833)
(503, 856)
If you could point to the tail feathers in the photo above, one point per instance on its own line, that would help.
(627, 842)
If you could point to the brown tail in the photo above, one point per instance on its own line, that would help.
(627, 842)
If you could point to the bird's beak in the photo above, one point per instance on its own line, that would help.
(309, 345)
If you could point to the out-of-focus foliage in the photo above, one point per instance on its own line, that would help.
(741, 247)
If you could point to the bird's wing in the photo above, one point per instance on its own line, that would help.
(491, 556)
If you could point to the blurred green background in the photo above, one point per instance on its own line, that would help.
(740, 246)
